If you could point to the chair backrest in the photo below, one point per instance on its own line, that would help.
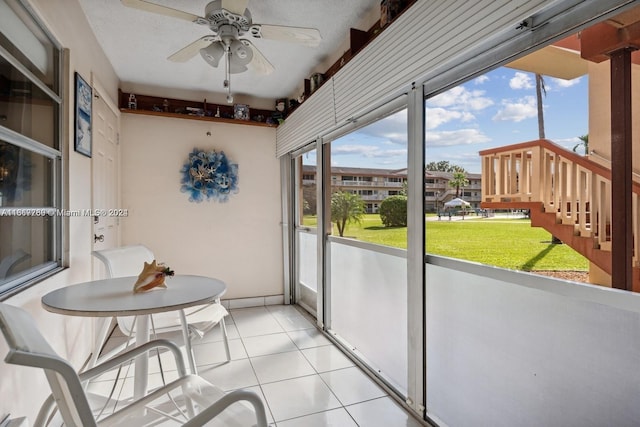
(9, 263)
(124, 260)
(27, 347)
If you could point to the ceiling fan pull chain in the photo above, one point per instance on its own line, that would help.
(227, 72)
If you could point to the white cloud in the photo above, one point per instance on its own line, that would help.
(393, 129)
(518, 111)
(456, 137)
(521, 81)
(460, 98)
(480, 80)
(435, 117)
(565, 83)
(368, 151)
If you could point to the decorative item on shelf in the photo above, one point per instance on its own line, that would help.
(389, 9)
(193, 111)
(282, 106)
(165, 105)
(272, 121)
(217, 112)
(241, 112)
(316, 81)
(209, 175)
(152, 276)
(133, 103)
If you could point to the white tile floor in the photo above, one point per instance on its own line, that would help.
(277, 352)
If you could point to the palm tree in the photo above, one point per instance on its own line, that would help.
(540, 91)
(346, 207)
(458, 181)
(584, 141)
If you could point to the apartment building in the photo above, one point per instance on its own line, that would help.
(375, 185)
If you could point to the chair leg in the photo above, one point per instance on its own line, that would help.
(223, 327)
(99, 343)
(187, 343)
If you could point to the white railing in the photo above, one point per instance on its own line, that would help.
(502, 345)
(577, 189)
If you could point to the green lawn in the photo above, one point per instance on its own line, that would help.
(508, 243)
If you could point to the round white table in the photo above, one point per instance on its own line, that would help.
(115, 297)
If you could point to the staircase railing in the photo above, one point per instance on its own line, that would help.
(577, 189)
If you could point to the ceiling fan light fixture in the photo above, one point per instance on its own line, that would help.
(212, 54)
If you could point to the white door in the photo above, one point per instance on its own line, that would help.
(105, 198)
(105, 155)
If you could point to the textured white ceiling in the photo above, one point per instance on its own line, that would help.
(137, 43)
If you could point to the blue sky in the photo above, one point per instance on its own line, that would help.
(495, 109)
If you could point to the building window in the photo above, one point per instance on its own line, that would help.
(430, 181)
(30, 150)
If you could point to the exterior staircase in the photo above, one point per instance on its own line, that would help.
(567, 194)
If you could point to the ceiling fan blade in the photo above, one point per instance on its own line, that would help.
(191, 50)
(162, 10)
(259, 64)
(235, 6)
(306, 36)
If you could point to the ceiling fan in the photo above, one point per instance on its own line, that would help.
(231, 24)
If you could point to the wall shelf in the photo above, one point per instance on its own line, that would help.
(192, 110)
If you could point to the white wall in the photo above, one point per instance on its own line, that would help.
(239, 241)
(22, 390)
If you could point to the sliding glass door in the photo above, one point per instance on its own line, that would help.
(366, 257)
(305, 230)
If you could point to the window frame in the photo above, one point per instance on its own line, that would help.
(55, 154)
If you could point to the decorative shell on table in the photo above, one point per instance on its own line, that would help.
(152, 276)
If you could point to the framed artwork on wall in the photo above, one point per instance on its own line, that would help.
(84, 98)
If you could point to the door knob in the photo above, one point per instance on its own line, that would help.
(97, 238)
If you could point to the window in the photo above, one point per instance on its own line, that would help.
(30, 150)
(372, 154)
(499, 109)
(307, 203)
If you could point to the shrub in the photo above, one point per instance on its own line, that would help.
(393, 211)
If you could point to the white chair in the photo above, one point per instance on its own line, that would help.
(8, 263)
(128, 261)
(189, 400)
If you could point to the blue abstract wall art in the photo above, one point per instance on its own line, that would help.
(209, 175)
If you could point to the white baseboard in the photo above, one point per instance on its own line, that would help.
(231, 304)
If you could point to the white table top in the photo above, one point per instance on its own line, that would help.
(115, 297)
